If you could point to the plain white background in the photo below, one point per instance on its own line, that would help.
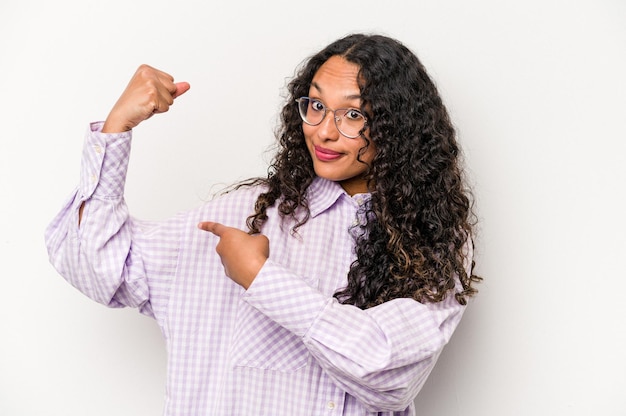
(536, 89)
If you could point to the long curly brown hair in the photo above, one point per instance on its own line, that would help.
(420, 214)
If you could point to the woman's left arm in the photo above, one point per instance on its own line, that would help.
(381, 355)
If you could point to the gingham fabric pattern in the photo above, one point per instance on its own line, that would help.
(283, 347)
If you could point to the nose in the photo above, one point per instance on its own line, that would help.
(327, 129)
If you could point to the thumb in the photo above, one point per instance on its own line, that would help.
(181, 88)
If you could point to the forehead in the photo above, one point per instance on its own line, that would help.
(337, 75)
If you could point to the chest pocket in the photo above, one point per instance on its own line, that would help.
(261, 343)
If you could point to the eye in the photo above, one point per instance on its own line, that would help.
(353, 114)
(317, 105)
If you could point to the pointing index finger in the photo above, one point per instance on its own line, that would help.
(212, 227)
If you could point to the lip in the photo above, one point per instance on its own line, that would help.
(326, 155)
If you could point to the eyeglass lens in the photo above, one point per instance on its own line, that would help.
(349, 121)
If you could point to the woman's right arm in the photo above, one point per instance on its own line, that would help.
(94, 253)
(93, 242)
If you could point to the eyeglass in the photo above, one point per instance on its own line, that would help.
(349, 121)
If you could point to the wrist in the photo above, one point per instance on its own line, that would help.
(112, 127)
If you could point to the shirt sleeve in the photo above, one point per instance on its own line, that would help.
(381, 355)
(110, 257)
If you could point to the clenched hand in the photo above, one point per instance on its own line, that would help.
(150, 91)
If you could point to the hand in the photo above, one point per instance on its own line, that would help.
(150, 91)
(242, 254)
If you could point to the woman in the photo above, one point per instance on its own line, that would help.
(338, 278)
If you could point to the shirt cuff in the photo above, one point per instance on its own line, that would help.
(104, 163)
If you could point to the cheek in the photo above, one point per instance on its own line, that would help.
(307, 131)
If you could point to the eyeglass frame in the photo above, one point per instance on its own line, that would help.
(327, 110)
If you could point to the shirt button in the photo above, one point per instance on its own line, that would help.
(98, 149)
(331, 405)
(93, 178)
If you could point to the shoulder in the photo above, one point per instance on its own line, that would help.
(230, 206)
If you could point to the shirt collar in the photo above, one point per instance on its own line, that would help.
(323, 194)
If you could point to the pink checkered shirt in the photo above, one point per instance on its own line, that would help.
(283, 347)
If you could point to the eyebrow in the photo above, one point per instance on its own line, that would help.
(349, 97)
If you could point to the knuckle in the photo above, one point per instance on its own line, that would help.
(144, 69)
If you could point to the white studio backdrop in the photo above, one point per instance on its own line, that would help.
(535, 88)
